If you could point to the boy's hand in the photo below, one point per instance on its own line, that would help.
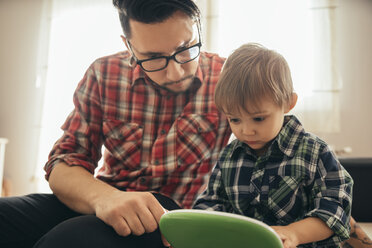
(165, 242)
(308, 230)
(287, 236)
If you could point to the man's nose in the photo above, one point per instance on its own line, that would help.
(175, 71)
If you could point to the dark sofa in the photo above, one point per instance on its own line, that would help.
(361, 171)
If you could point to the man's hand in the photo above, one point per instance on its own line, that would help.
(130, 212)
(127, 212)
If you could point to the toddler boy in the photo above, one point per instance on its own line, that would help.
(275, 171)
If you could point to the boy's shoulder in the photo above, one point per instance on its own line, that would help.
(298, 142)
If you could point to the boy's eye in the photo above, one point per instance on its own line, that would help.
(234, 120)
(258, 119)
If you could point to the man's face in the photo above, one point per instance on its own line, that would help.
(164, 39)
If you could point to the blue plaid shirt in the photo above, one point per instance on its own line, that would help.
(297, 177)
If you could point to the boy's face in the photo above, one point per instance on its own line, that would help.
(164, 39)
(258, 126)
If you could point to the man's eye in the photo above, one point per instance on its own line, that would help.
(258, 119)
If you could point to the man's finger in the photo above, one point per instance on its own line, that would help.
(157, 211)
(148, 220)
(121, 227)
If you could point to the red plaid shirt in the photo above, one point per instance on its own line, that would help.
(155, 140)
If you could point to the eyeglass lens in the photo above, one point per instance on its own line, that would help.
(180, 57)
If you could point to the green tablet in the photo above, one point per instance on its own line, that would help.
(212, 229)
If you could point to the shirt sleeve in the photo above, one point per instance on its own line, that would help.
(214, 197)
(332, 194)
(80, 144)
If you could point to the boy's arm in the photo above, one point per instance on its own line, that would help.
(331, 194)
(214, 197)
(305, 231)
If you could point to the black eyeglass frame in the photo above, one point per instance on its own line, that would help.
(173, 56)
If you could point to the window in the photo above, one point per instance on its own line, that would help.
(302, 31)
(79, 32)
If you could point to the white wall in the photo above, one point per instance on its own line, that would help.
(20, 100)
(355, 54)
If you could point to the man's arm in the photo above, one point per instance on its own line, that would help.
(127, 212)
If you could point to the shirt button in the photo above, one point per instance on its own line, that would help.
(162, 132)
(142, 180)
(157, 162)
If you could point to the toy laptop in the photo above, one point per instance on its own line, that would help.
(212, 229)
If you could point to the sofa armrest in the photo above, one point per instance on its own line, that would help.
(360, 170)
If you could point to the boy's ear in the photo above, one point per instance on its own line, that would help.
(292, 102)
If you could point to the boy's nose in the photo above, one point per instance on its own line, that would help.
(248, 131)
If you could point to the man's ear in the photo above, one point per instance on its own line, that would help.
(132, 61)
(125, 41)
(291, 103)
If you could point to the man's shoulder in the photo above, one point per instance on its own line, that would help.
(115, 66)
(119, 57)
(208, 59)
(211, 63)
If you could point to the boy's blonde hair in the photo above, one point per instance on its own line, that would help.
(250, 73)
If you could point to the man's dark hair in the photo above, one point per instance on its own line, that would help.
(153, 11)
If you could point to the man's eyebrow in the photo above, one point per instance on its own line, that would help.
(148, 54)
(158, 54)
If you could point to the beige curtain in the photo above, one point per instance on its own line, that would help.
(303, 31)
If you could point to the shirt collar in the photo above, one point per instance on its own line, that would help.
(290, 135)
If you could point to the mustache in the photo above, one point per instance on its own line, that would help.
(178, 81)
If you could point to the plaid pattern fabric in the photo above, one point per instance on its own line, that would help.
(155, 140)
(298, 177)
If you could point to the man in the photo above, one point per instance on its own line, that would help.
(152, 108)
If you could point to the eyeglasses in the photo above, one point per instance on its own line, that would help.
(159, 63)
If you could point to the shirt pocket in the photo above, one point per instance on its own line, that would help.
(123, 141)
(287, 198)
(195, 137)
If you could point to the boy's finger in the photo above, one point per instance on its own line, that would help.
(165, 242)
